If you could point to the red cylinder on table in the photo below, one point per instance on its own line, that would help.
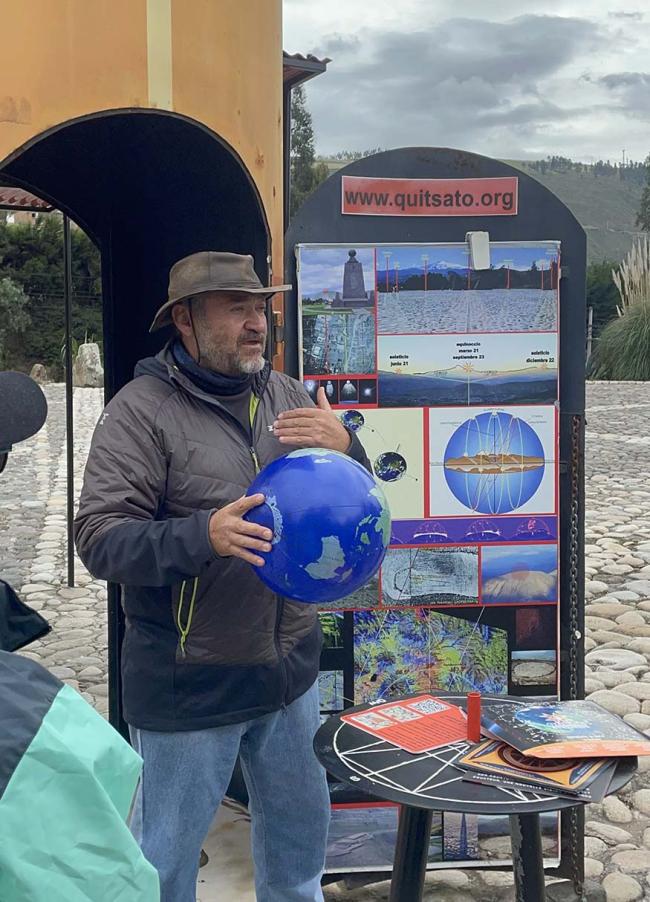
(474, 716)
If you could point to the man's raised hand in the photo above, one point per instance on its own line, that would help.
(312, 427)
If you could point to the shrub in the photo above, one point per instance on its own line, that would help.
(633, 276)
(14, 318)
(623, 350)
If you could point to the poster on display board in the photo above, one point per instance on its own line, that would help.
(449, 376)
(363, 837)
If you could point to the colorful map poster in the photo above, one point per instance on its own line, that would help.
(450, 378)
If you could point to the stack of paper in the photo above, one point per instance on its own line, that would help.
(569, 748)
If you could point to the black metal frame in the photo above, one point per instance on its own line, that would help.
(69, 416)
(44, 207)
(541, 216)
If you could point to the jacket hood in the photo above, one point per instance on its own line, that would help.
(152, 366)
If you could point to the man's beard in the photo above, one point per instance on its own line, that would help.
(227, 362)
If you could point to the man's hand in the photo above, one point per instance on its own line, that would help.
(232, 536)
(312, 427)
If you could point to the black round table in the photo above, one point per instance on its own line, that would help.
(430, 781)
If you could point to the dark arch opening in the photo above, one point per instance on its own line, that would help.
(148, 187)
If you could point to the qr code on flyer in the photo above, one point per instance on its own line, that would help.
(370, 719)
(428, 706)
(398, 712)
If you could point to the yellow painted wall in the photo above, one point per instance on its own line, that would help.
(217, 61)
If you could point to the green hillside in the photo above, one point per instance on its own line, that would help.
(606, 205)
(604, 198)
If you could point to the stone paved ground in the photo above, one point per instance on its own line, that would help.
(32, 558)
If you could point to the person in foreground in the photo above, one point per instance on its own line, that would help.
(214, 664)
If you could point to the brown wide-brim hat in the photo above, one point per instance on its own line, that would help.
(211, 271)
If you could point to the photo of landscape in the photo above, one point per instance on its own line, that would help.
(534, 668)
(435, 576)
(519, 574)
(431, 289)
(421, 370)
(419, 650)
(467, 310)
(362, 838)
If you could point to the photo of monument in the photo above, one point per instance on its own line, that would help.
(487, 838)
(333, 279)
(354, 288)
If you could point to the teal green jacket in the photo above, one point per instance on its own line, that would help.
(67, 779)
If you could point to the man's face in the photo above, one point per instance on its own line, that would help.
(231, 331)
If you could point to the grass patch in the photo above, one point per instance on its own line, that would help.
(623, 349)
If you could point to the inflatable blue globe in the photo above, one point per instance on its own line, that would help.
(330, 524)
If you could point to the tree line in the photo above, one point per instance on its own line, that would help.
(630, 171)
(31, 293)
(31, 257)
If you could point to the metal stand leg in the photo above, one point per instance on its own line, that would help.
(527, 858)
(411, 853)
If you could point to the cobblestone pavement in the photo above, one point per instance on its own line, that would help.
(32, 559)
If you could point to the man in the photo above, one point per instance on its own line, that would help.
(214, 664)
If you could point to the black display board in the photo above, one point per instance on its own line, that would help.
(406, 276)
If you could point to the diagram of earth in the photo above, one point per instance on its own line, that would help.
(390, 466)
(494, 463)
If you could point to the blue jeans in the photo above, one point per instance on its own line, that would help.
(185, 777)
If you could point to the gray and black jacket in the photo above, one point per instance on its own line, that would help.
(206, 642)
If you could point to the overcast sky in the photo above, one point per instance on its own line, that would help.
(572, 79)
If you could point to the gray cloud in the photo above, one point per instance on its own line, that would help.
(461, 82)
(342, 44)
(621, 14)
(631, 90)
(498, 52)
(625, 80)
